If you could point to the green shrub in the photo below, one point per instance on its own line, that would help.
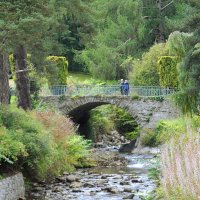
(132, 135)
(100, 122)
(166, 129)
(57, 70)
(167, 70)
(10, 149)
(148, 138)
(135, 96)
(42, 144)
(27, 134)
(124, 122)
(145, 70)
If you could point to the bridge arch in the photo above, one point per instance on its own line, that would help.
(145, 111)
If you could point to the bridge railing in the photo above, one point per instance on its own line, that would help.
(108, 90)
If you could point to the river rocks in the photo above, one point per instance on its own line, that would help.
(130, 196)
(128, 189)
(112, 190)
(127, 148)
(97, 183)
(61, 178)
(76, 185)
(71, 178)
(108, 158)
(125, 183)
(112, 139)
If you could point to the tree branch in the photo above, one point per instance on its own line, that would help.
(167, 5)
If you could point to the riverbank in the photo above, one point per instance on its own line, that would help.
(116, 176)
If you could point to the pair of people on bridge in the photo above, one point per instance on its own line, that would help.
(124, 87)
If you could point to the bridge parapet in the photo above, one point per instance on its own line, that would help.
(107, 90)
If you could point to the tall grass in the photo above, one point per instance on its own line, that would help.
(69, 149)
(180, 166)
(60, 126)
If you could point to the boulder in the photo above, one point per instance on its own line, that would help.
(128, 148)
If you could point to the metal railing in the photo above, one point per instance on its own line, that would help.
(107, 90)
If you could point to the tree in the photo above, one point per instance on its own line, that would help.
(22, 79)
(4, 82)
(25, 23)
(145, 70)
(119, 36)
(189, 54)
(168, 72)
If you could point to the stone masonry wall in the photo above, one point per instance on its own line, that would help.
(12, 188)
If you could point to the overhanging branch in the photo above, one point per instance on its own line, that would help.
(167, 5)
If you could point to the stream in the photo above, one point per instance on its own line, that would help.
(102, 183)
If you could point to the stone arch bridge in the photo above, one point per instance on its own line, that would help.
(146, 111)
(147, 105)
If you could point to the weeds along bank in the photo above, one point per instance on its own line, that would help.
(41, 144)
(180, 159)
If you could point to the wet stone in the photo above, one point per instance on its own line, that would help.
(130, 196)
(128, 189)
(112, 190)
(71, 178)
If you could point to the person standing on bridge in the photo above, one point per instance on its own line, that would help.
(122, 86)
(126, 87)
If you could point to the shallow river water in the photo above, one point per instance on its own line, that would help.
(102, 183)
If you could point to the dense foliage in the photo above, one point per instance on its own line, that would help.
(145, 69)
(168, 72)
(105, 119)
(41, 144)
(59, 65)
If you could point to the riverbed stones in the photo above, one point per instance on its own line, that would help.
(124, 183)
(76, 185)
(128, 189)
(130, 196)
(71, 178)
(95, 184)
(112, 190)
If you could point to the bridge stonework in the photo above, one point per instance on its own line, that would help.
(146, 112)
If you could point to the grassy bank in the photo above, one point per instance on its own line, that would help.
(180, 158)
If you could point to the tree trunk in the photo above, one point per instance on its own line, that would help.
(22, 78)
(4, 81)
(160, 38)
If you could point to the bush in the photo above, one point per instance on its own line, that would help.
(57, 70)
(28, 132)
(124, 122)
(169, 128)
(148, 138)
(107, 118)
(43, 144)
(167, 70)
(100, 122)
(10, 149)
(132, 135)
(145, 70)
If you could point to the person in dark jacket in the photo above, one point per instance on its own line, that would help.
(126, 87)
(122, 86)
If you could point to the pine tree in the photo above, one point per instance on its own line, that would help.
(23, 23)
